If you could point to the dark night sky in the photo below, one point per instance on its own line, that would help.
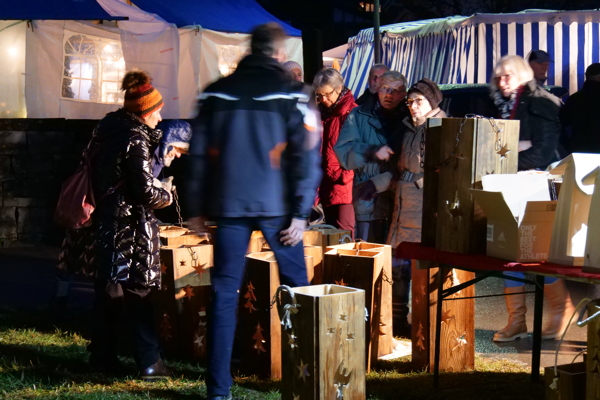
(337, 20)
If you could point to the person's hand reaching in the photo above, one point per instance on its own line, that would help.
(384, 153)
(295, 233)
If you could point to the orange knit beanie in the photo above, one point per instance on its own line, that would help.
(141, 98)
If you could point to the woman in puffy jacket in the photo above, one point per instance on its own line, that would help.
(335, 103)
(126, 243)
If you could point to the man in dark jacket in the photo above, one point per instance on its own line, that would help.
(371, 92)
(579, 117)
(254, 166)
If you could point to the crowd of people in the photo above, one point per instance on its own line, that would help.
(265, 148)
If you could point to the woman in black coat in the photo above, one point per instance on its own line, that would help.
(126, 243)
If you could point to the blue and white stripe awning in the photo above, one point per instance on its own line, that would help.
(465, 49)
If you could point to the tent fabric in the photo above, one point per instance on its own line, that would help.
(53, 10)
(238, 16)
(465, 49)
(12, 78)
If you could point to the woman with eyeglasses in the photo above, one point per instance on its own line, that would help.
(517, 95)
(335, 193)
(370, 136)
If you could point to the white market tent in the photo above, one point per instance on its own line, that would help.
(464, 49)
(65, 59)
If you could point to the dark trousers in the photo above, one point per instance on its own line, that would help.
(374, 231)
(341, 216)
(231, 242)
(109, 310)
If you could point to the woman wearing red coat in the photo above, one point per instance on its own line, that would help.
(335, 103)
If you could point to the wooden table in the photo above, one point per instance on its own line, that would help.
(492, 267)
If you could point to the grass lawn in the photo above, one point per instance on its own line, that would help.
(39, 360)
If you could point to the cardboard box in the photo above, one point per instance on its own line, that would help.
(570, 225)
(519, 215)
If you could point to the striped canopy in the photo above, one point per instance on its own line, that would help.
(465, 49)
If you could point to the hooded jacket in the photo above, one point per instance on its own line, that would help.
(254, 152)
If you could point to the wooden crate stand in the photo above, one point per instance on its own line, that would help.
(366, 266)
(457, 346)
(451, 219)
(324, 350)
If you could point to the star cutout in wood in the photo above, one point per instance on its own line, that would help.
(341, 282)
(446, 316)
(350, 336)
(343, 317)
(503, 151)
(199, 341)
(163, 268)
(202, 323)
(200, 269)
(303, 370)
(182, 263)
(292, 341)
(296, 396)
(330, 331)
(202, 312)
(189, 292)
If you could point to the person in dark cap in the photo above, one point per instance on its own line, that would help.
(578, 115)
(539, 61)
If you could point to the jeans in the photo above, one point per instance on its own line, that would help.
(231, 241)
(509, 283)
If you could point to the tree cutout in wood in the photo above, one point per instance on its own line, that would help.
(202, 315)
(199, 342)
(341, 380)
(503, 152)
(340, 282)
(446, 316)
(417, 299)
(165, 327)
(454, 207)
(250, 298)
(259, 339)
(189, 292)
(303, 370)
(420, 338)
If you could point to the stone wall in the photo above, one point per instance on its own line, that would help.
(36, 156)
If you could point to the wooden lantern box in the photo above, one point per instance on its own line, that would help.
(184, 299)
(591, 262)
(571, 382)
(323, 354)
(176, 236)
(366, 266)
(259, 327)
(458, 152)
(457, 345)
(567, 245)
(324, 237)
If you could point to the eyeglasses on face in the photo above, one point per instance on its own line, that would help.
(320, 96)
(418, 101)
(392, 91)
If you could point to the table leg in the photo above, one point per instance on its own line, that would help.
(438, 328)
(538, 309)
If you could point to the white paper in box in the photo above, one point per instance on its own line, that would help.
(519, 215)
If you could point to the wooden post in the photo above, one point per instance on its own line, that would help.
(324, 350)
(457, 348)
(593, 354)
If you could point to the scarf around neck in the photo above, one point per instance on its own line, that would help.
(504, 105)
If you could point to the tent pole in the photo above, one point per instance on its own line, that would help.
(377, 34)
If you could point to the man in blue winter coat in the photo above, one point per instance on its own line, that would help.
(254, 166)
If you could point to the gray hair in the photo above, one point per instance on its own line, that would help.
(517, 64)
(330, 77)
(378, 66)
(393, 76)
